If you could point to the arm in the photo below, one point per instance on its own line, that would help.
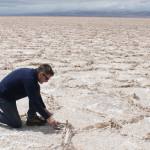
(41, 100)
(32, 91)
(50, 120)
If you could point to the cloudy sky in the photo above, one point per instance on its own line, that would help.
(8, 7)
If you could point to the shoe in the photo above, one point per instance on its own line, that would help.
(35, 121)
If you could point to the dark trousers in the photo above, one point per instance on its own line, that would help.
(9, 114)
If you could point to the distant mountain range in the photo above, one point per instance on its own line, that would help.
(90, 14)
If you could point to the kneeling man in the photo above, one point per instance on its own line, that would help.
(19, 84)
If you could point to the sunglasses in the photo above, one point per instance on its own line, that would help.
(46, 78)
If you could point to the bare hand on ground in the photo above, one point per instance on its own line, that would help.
(52, 122)
(49, 113)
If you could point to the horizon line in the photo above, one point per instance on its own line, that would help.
(85, 14)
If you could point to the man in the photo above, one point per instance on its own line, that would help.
(19, 84)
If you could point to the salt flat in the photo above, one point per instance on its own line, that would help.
(101, 83)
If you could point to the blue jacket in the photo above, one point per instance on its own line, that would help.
(21, 83)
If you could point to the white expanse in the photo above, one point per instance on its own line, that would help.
(101, 83)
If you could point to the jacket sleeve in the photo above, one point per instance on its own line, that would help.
(33, 93)
(41, 100)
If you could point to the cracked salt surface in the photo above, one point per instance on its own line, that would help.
(101, 83)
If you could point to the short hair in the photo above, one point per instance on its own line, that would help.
(46, 68)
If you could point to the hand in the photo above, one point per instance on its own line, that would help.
(52, 122)
(49, 113)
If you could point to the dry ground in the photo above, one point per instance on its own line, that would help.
(101, 83)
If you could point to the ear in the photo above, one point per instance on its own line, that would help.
(39, 75)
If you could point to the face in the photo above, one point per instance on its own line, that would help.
(42, 77)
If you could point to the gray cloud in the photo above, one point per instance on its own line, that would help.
(40, 6)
